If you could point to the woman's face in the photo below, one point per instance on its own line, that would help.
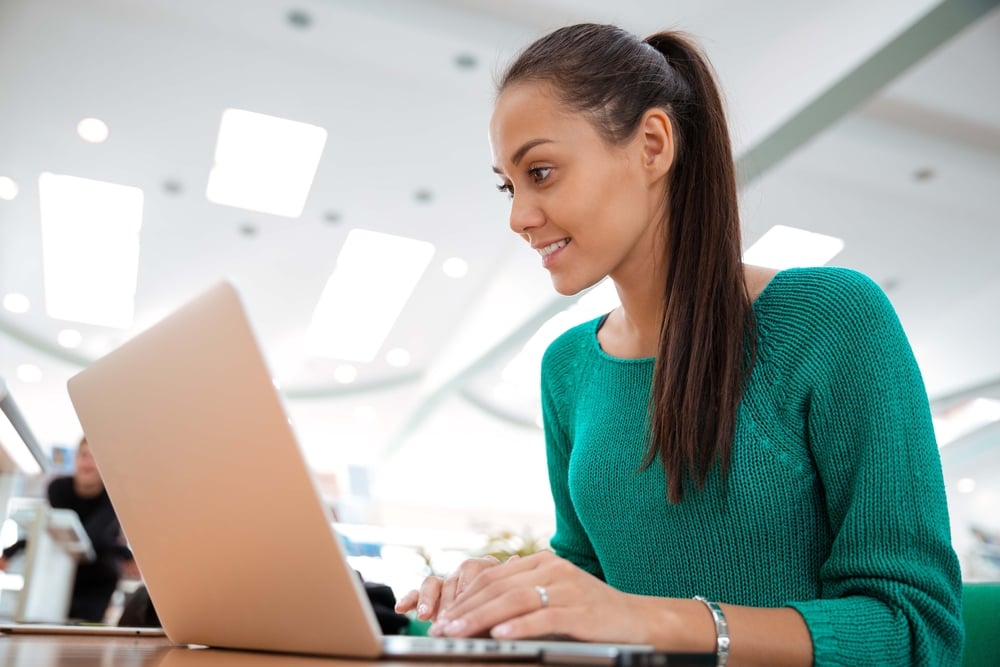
(589, 209)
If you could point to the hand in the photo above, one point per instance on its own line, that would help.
(437, 593)
(541, 595)
(3, 564)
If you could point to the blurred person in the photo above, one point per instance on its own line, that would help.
(95, 581)
(742, 460)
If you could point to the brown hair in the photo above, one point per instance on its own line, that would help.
(707, 336)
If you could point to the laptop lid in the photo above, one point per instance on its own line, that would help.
(223, 516)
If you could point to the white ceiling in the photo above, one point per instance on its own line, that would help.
(403, 118)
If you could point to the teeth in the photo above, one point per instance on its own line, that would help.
(549, 249)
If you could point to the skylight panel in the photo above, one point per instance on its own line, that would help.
(264, 163)
(374, 277)
(784, 247)
(90, 249)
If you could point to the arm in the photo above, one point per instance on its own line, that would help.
(891, 584)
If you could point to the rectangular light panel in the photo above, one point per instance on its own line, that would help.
(375, 275)
(90, 249)
(784, 247)
(264, 163)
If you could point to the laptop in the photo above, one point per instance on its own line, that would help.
(222, 513)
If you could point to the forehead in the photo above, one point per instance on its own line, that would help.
(527, 111)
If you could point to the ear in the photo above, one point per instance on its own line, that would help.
(656, 133)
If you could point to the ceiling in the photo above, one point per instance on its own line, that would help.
(878, 123)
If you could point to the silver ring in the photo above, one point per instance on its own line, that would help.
(544, 595)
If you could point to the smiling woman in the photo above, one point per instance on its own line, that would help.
(785, 409)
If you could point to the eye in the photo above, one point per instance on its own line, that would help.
(539, 174)
(506, 188)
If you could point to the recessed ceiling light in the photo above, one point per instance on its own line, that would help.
(423, 195)
(466, 61)
(90, 249)
(173, 187)
(247, 229)
(455, 267)
(70, 338)
(397, 357)
(784, 247)
(332, 216)
(923, 174)
(264, 163)
(299, 19)
(345, 374)
(966, 485)
(365, 414)
(93, 130)
(16, 303)
(375, 275)
(8, 188)
(29, 373)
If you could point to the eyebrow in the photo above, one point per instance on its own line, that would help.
(520, 152)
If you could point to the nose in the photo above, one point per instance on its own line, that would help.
(525, 215)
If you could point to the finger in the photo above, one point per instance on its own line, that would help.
(429, 598)
(407, 602)
(470, 571)
(541, 623)
(510, 604)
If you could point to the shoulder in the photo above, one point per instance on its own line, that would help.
(822, 296)
(571, 344)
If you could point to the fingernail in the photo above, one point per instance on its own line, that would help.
(422, 611)
(501, 630)
(455, 627)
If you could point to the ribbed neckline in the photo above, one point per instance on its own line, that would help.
(595, 324)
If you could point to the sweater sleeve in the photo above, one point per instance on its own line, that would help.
(891, 586)
(570, 540)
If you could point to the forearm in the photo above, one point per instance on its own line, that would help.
(766, 637)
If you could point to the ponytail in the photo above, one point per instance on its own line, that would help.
(707, 340)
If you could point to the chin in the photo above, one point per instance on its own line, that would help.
(569, 287)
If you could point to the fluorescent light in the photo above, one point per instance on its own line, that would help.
(784, 247)
(964, 418)
(93, 130)
(455, 267)
(345, 374)
(397, 357)
(263, 163)
(29, 373)
(375, 275)
(8, 188)
(16, 303)
(70, 338)
(90, 246)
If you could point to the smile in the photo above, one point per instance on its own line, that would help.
(549, 249)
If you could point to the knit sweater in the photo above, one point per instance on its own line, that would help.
(834, 501)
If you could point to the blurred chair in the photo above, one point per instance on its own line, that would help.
(981, 612)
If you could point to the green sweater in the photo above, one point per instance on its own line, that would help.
(834, 503)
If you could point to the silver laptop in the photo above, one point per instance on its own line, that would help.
(224, 517)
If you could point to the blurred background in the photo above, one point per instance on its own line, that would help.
(149, 148)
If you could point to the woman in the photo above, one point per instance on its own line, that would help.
(759, 440)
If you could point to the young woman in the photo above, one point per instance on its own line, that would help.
(742, 461)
